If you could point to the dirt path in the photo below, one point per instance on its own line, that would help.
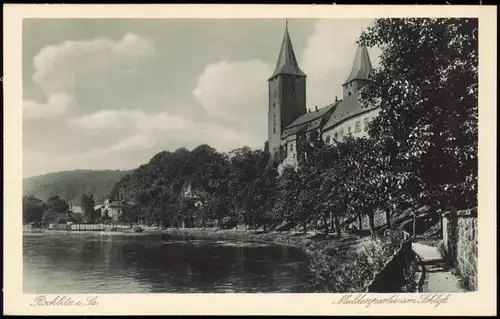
(437, 278)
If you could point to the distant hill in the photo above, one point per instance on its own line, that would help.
(70, 185)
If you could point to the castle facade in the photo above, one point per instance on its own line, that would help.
(289, 118)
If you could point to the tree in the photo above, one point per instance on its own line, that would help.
(131, 212)
(244, 169)
(333, 198)
(57, 204)
(87, 203)
(33, 209)
(264, 188)
(97, 214)
(426, 89)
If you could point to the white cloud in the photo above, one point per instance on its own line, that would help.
(235, 91)
(55, 105)
(328, 56)
(59, 67)
(150, 130)
(135, 119)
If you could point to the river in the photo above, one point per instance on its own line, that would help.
(63, 262)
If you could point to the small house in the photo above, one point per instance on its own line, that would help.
(113, 207)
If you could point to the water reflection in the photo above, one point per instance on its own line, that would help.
(86, 263)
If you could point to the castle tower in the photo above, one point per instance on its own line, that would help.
(287, 93)
(360, 72)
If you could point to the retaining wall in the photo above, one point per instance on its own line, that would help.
(460, 238)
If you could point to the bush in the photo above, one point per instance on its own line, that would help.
(351, 271)
(137, 229)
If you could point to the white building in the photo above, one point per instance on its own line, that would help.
(113, 207)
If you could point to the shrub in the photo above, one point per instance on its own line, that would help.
(137, 229)
(351, 271)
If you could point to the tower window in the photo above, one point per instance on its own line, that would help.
(274, 105)
(366, 124)
(336, 135)
(327, 139)
(349, 130)
(341, 132)
(349, 94)
(291, 147)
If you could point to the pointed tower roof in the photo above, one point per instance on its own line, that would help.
(362, 66)
(287, 62)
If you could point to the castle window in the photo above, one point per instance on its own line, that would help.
(274, 105)
(274, 123)
(366, 124)
(341, 132)
(349, 130)
(327, 140)
(358, 126)
(349, 94)
(291, 147)
(336, 135)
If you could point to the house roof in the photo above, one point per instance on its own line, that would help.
(361, 67)
(287, 62)
(345, 109)
(115, 204)
(308, 121)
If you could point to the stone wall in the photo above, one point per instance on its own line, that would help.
(460, 238)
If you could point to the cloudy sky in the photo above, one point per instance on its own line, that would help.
(109, 94)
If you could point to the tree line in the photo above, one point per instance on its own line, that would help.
(69, 185)
(57, 210)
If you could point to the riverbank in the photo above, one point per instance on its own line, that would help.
(309, 242)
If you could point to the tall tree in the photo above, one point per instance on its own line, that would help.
(288, 186)
(426, 88)
(88, 204)
(57, 204)
(33, 209)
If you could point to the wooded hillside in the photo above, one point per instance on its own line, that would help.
(70, 185)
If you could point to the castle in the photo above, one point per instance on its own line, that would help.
(288, 117)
